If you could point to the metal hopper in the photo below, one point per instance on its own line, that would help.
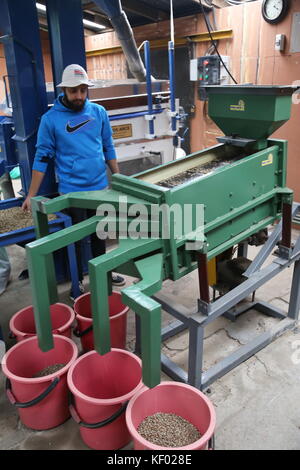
(249, 114)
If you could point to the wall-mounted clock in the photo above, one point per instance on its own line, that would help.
(274, 11)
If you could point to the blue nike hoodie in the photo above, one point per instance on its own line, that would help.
(80, 142)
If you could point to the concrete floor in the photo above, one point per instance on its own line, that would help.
(257, 403)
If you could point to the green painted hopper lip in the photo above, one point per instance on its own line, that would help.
(285, 90)
(250, 111)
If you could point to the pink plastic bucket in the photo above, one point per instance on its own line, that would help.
(118, 321)
(171, 397)
(101, 387)
(22, 324)
(42, 402)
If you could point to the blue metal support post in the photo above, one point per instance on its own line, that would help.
(171, 56)
(66, 36)
(149, 116)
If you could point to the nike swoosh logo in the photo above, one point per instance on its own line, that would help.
(78, 126)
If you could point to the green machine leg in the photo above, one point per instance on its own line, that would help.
(42, 230)
(40, 266)
(99, 268)
(137, 297)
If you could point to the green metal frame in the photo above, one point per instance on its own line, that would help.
(232, 215)
(239, 199)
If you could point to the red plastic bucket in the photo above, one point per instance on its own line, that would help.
(118, 321)
(171, 397)
(101, 387)
(42, 402)
(22, 324)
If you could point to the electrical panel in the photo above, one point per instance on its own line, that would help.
(208, 73)
(209, 70)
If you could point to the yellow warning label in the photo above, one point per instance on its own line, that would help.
(269, 160)
(122, 131)
(238, 107)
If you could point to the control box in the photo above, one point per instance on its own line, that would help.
(208, 73)
(209, 70)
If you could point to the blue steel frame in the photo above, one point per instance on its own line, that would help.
(66, 36)
(21, 38)
(171, 55)
(8, 156)
(149, 88)
(118, 117)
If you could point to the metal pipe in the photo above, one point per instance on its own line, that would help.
(172, 84)
(286, 225)
(172, 22)
(118, 117)
(149, 116)
(119, 21)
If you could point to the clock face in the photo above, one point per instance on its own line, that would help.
(274, 11)
(273, 8)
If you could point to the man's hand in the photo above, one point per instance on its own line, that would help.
(26, 206)
(37, 178)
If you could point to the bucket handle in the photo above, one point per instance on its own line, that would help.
(100, 424)
(79, 334)
(33, 402)
(11, 335)
(211, 443)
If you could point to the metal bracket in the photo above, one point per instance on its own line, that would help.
(284, 252)
(204, 307)
(236, 141)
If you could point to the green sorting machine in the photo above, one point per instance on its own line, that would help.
(217, 198)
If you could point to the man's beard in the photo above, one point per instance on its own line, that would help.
(73, 105)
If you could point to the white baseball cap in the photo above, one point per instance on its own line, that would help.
(74, 75)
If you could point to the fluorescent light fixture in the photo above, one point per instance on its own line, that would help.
(40, 7)
(87, 23)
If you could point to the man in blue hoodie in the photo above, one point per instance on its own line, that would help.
(77, 134)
